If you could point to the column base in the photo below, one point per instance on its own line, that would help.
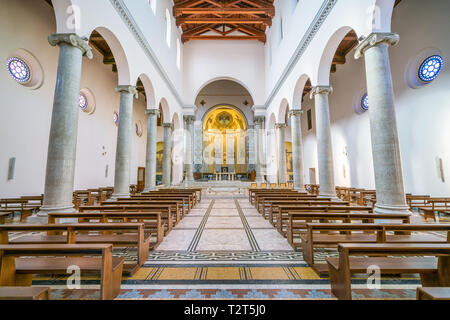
(402, 209)
(42, 216)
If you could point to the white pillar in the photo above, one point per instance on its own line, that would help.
(387, 161)
(258, 148)
(150, 166)
(167, 155)
(124, 142)
(189, 146)
(62, 146)
(281, 128)
(324, 142)
(297, 149)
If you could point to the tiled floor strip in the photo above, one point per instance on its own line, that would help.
(193, 245)
(248, 230)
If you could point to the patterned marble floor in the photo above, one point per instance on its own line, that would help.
(224, 249)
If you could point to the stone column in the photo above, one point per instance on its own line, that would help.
(124, 142)
(383, 124)
(258, 148)
(167, 155)
(297, 149)
(324, 142)
(62, 146)
(189, 146)
(150, 166)
(281, 128)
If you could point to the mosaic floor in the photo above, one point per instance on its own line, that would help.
(224, 249)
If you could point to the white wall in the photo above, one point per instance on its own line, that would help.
(242, 61)
(26, 114)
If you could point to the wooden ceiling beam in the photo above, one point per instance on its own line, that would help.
(222, 11)
(212, 37)
(263, 21)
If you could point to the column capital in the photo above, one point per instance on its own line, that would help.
(153, 112)
(168, 126)
(280, 125)
(72, 39)
(321, 90)
(259, 120)
(295, 113)
(190, 119)
(375, 39)
(127, 89)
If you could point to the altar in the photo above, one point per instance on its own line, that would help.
(231, 176)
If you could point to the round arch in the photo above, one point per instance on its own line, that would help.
(297, 99)
(221, 106)
(284, 108)
(120, 57)
(323, 72)
(149, 91)
(165, 111)
(223, 78)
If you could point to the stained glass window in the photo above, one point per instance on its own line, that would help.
(365, 102)
(18, 69)
(83, 102)
(430, 68)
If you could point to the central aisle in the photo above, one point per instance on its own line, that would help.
(227, 224)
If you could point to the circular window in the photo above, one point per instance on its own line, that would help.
(430, 68)
(18, 69)
(116, 118)
(365, 102)
(86, 101)
(83, 103)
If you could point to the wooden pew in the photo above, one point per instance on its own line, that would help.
(196, 192)
(17, 268)
(186, 200)
(24, 293)
(3, 216)
(176, 209)
(284, 212)
(256, 197)
(431, 261)
(436, 293)
(153, 223)
(263, 201)
(283, 205)
(117, 234)
(165, 210)
(253, 192)
(324, 235)
(18, 205)
(297, 224)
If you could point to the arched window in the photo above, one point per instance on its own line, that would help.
(178, 54)
(430, 68)
(168, 27)
(18, 69)
(153, 5)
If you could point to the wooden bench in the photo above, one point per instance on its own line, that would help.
(274, 208)
(17, 269)
(436, 293)
(431, 261)
(264, 202)
(254, 192)
(23, 206)
(297, 224)
(24, 293)
(184, 203)
(329, 235)
(284, 214)
(165, 211)
(175, 206)
(153, 223)
(117, 234)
